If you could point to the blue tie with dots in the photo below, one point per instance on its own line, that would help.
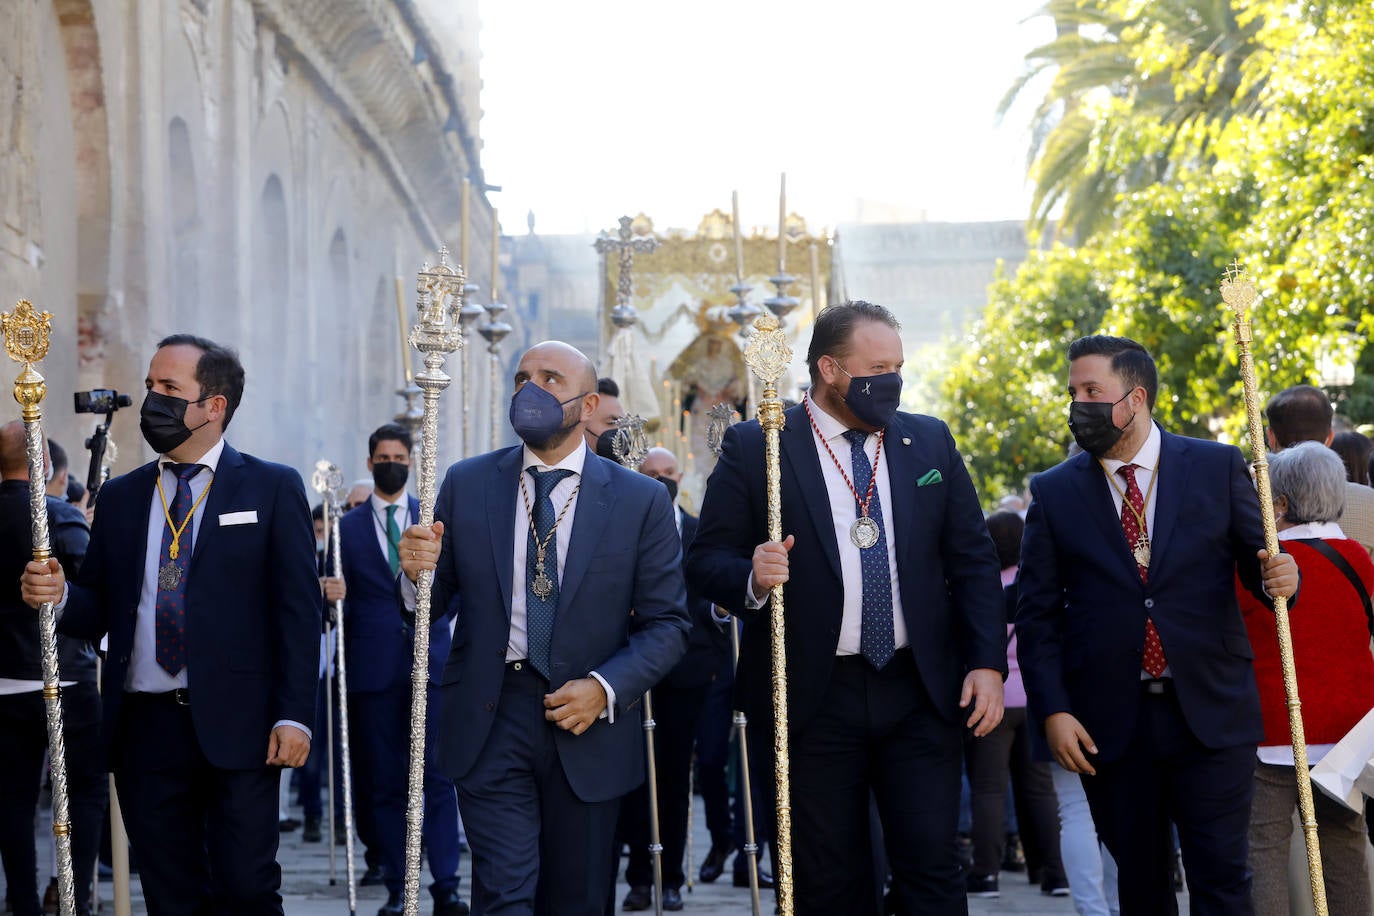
(877, 642)
(170, 616)
(539, 612)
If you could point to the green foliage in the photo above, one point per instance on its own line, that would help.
(1173, 153)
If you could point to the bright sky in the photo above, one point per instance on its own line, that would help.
(877, 110)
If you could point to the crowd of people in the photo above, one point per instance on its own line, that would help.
(1094, 663)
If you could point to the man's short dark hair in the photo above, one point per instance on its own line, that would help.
(833, 330)
(1299, 414)
(1131, 362)
(608, 387)
(1006, 529)
(389, 432)
(217, 372)
(317, 513)
(58, 454)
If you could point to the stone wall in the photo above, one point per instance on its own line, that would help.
(255, 171)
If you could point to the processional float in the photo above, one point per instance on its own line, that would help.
(26, 340)
(438, 333)
(1239, 294)
(328, 482)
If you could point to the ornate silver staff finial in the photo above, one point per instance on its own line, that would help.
(625, 244)
(630, 444)
(723, 416)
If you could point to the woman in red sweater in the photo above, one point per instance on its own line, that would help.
(1335, 669)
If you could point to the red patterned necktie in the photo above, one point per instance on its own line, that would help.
(1133, 526)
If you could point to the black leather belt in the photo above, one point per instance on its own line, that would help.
(1157, 686)
(181, 696)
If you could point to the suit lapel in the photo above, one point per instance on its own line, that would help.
(144, 487)
(800, 456)
(501, 520)
(1097, 500)
(595, 501)
(224, 488)
(902, 471)
(1173, 470)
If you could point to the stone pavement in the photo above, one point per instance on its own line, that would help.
(307, 891)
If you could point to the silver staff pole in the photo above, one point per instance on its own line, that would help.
(722, 417)
(26, 341)
(438, 334)
(631, 446)
(328, 482)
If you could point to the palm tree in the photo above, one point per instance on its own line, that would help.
(1139, 88)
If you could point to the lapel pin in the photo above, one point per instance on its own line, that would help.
(906, 440)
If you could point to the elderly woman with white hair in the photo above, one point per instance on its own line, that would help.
(1331, 632)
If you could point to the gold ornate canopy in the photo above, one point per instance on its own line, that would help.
(690, 275)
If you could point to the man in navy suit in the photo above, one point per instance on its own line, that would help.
(378, 650)
(896, 633)
(678, 702)
(565, 572)
(201, 571)
(1136, 661)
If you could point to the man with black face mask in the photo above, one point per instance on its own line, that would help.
(564, 571)
(201, 570)
(378, 649)
(600, 429)
(896, 632)
(1134, 653)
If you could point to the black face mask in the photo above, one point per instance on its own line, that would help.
(873, 399)
(671, 484)
(1092, 425)
(390, 476)
(605, 444)
(162, 420)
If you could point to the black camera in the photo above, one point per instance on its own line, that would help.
(101, 400)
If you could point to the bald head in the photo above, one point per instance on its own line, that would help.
(14, 460)
(569, 361)
(359, 493)
(660, 463)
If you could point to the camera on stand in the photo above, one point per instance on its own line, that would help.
(100, 401)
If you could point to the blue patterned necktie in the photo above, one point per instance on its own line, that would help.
(877, 642)
(170, 615)
(539, 611)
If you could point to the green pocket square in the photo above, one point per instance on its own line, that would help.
(930, 477)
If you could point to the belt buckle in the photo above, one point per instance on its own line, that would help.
(1155, 687)
(182, 696)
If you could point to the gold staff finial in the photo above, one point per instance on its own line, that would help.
(26, 341)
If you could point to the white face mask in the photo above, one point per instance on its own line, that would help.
(49, 474)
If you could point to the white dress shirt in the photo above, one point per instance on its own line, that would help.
(1147, 465)
(565, 492)
(145, 674)
(843, 512)
(379, 507)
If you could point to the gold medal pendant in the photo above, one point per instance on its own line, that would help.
(1142, 554)
(169, 577)
(864, 532)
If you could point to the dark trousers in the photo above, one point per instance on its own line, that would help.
(876, 732)
(1005, 752)
(1168, 775)
(713, 754)
(676, 714)
(23, 742)
(527, 829)
(206, 837)
(312, 774)
(380, 735)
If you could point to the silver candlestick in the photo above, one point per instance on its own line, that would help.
(493, 332)
(467, 320)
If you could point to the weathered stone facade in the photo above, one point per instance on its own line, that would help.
(255, 171)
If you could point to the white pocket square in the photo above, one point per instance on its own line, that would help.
(239, 518)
